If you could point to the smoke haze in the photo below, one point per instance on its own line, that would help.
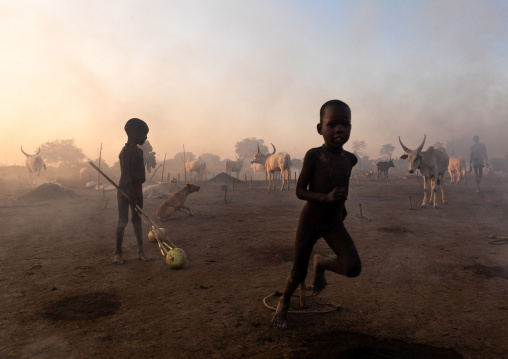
(209, 74)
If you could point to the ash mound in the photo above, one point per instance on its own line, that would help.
(223, 177)
(47, 191)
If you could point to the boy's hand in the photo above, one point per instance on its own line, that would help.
(336, 194)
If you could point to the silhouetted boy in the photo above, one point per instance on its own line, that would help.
(478, 159)
(324, 184)
(131, 179)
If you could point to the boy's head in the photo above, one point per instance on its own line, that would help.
(333, 103)
(136, 130)
(476, 139)
(334, 123)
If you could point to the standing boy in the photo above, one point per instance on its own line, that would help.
(476, 159)
(131, 179)
(323, 183)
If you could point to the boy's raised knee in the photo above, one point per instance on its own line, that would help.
(354, 271)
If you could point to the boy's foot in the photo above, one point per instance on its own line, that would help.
(142, 256)
(118, 259)
(279, 318)
(319, 275)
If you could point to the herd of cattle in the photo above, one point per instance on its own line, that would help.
(432, 164)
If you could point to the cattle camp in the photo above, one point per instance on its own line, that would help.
(59, 235)
(254, 179)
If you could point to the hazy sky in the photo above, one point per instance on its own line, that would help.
(207, 74)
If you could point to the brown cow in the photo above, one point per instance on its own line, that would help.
(176, 203)
(457, 169)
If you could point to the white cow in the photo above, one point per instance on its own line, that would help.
(34, 164)
(274, 162)
(198, 166)
(234, 166)
(257, 168)
(432, 164)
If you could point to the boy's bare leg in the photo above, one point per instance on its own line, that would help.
(346, 262)
(279, 318)
(303, 247)
(118, 259)
(138, 231)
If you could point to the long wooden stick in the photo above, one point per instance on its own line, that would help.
(138, 209)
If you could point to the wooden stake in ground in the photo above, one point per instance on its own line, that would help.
(410, 204)
(184, 169)
(163, 164)
(98, 174)
(360, 214)
(225, 189)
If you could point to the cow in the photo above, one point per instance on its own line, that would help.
(257, 168)
(234, 166)
(198, 166)
(176, 203)
(498, 164)
(432, 164)
(383, 167)
(157, 190)
(457, 169)
(149, 160)
(34, 164)
(85, 174)
(369, 174)
(274, 162)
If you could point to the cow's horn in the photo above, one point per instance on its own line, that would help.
(421, 146)
(26, 154)
(273, 148)
(39, 150)
(407, 150)
(258, 147)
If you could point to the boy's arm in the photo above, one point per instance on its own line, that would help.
(302, 191)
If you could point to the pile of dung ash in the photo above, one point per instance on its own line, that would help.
(223, 177)
(47, 191)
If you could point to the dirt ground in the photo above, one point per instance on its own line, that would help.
(433, 285)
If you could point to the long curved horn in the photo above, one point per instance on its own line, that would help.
(26, 154)
(258, 147)
(273, 148)
(38, 150)
(421, 146)
(407, 150)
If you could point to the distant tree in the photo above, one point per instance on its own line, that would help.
(189, 156)
(438, 144)
(62, 152)
(358, 147)
(387, 150)
(248, 147)
(213, 163)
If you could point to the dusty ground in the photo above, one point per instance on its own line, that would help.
(433, 284)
